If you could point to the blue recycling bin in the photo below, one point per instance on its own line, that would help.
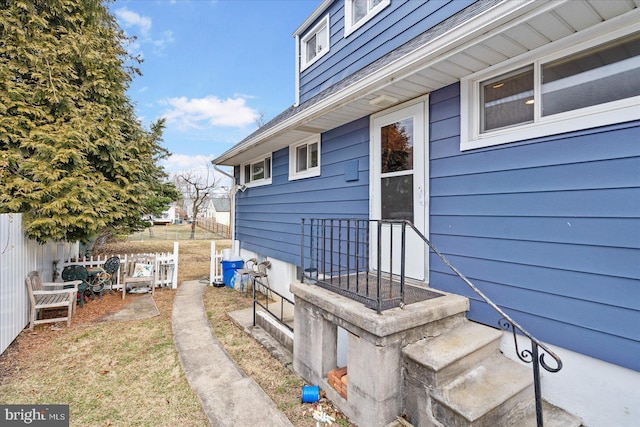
(229, 268)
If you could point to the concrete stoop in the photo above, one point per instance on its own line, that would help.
(426, 362)
(460, 378)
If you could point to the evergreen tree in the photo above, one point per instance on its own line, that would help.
(73, 157)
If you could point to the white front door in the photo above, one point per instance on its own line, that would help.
(399, 187)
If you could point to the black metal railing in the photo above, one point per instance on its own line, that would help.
(266, 291)
(335, 255)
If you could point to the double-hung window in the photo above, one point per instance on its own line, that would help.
(358, 12)
(256, 172)
(315, 43)
(593, 84)
(304, 158)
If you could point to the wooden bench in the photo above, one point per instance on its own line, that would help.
(42, 298)
(141, 269)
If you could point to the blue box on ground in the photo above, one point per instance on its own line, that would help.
(229, 268)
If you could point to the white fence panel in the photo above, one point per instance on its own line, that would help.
(215, 268)
(166, 266)
(19, 256)
(14, 303)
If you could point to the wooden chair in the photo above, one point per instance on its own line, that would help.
(141, 269)
(42, 299)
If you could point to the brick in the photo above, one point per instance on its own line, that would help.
(340, 372)
(337, 379)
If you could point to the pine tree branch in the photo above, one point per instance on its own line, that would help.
(55, 96)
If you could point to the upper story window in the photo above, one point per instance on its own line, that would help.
(256, 172)
(592, 84)
(315, 43)
(304, 159)
(358, 12)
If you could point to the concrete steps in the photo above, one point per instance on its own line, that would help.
(460, 378)
(439, 360)
(484, 395)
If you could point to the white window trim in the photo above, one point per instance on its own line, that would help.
(350, 28)
(310, 172)
(259, 182)
(303, 43)
(583, 118)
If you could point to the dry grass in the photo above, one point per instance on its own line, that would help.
(128, 373)
(109, 373)
(282, 385)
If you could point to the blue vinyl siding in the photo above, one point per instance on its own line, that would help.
(268, 217)
(400, 22)
(549, 229)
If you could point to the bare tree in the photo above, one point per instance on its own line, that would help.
(260, 120)
(197, 187)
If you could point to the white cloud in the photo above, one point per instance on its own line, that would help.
(131, 19)
(243, 95)
(141, 26)
(209, 111)
(162, 42)
(199, 164)
(184, 162)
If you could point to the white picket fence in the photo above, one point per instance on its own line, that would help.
(166, 266)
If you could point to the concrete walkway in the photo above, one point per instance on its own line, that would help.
(228, 396)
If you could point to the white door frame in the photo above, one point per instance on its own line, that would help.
(419, 109)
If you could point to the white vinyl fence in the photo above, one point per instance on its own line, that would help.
(166, 266)
(19, 256)
(215, 268)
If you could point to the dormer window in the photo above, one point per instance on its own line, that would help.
(358, 12)
(315, 43)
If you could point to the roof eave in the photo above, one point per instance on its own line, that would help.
(322, 7)
(440, 47)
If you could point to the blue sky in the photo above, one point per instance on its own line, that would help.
(210, 68)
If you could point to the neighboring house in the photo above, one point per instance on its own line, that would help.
(520, 160)
(169, 216)
(220, 209)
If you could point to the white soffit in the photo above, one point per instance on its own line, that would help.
(505, 31)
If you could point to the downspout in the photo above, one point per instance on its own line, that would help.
(297, 94)
(233, 191)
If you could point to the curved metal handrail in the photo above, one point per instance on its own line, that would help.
(525, 354)
(505, 323)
